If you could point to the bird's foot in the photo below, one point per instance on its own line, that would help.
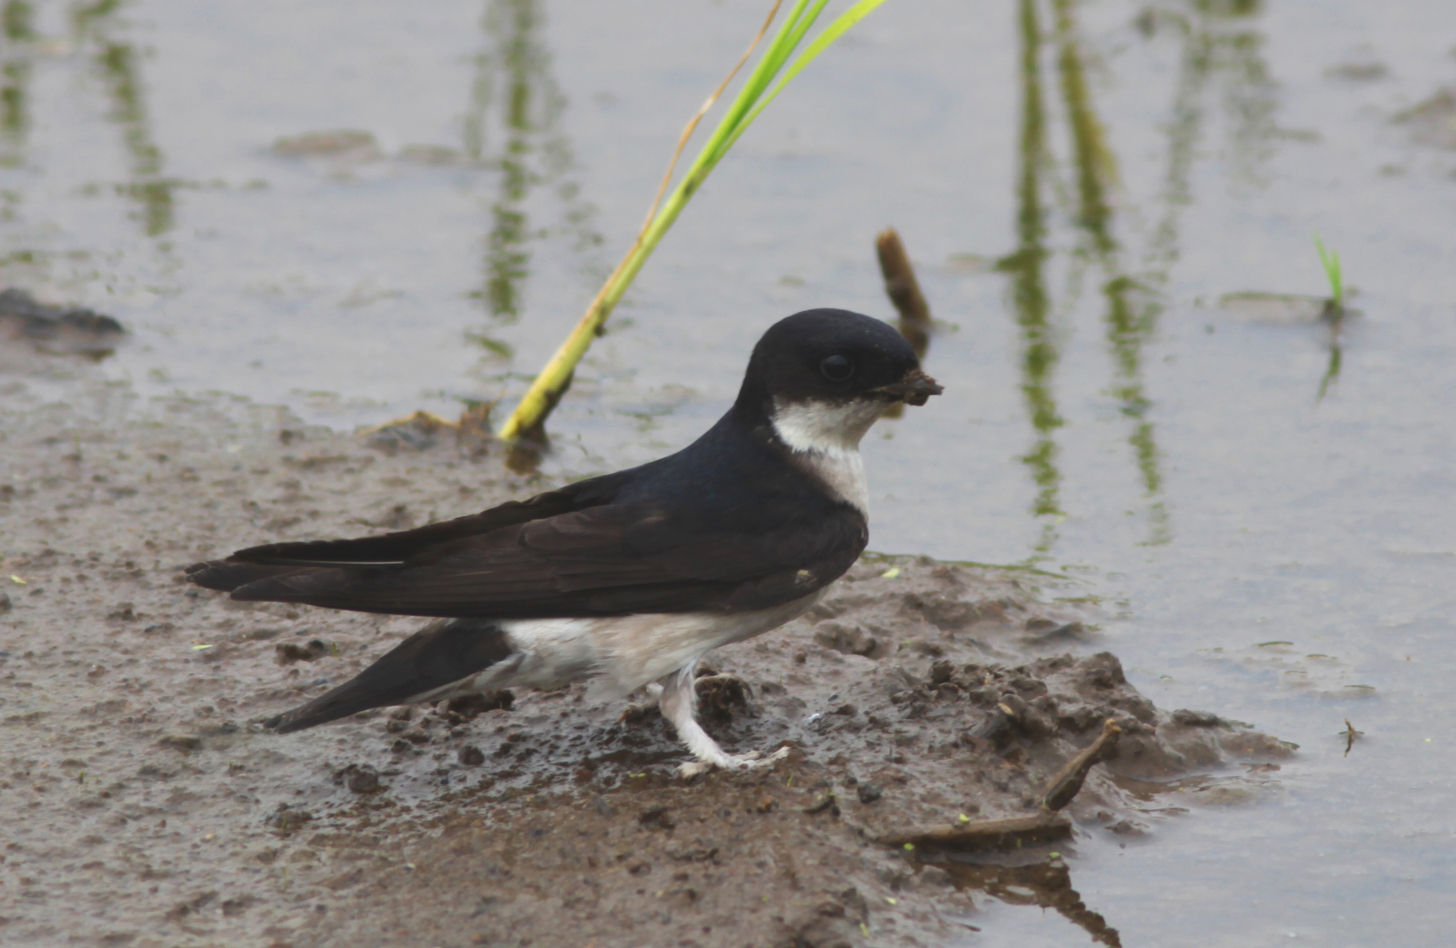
(721, 697)
(752, 760)
(635, 712)
(715, 682)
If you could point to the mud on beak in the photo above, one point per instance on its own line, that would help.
(914, 389)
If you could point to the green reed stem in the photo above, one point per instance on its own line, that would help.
(756, 94)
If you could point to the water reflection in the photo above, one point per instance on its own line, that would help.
(1128, 325)
(515, 91)
(1028, 284)
(1044, 884)
(16, 24)
(117, 64)
(1334, 317)
(1218, 42)
(1215, 40)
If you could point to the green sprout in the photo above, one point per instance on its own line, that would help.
(1334, 314)
(1331, 261)
(758, 91)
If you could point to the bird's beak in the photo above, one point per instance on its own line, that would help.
(914, 389)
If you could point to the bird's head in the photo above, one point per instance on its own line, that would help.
(822, 377)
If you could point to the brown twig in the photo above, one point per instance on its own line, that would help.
(1064, 786)
(904, 290)
(1011, 833)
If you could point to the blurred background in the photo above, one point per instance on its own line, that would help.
(356, 210)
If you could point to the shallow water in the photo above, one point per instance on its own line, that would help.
(1105, 413)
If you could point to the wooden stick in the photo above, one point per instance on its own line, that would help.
(1010, 833)
(904, 290)
(1064, 786)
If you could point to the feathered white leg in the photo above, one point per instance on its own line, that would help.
(679, 704)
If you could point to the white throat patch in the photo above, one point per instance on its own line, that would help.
(825, 437)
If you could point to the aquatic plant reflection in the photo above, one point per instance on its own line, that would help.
(1026, 265)
(1216, 40)
(117, 64)
(514, 89)
(15, 69)
(1128, 325)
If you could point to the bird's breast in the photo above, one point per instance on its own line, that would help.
(842, 473)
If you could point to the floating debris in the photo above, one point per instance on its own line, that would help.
(1368, 70)
(961, 264)
(1276, 308)
(338, 143)
(431, 154)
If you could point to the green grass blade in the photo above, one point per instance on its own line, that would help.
(1331, 262)
(799, 19)
(821, 42)
(551, 383)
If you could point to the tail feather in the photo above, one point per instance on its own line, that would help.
(228, 575)
(440, 654)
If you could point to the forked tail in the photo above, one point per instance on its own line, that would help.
(440, 654)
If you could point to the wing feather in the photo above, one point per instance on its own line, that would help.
(725, 525)
(641, 557)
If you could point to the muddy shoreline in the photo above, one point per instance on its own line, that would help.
(145, 805)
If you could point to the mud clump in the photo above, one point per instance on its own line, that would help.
(56, 328)
(288, 653)
(359, 778)
(470, 707)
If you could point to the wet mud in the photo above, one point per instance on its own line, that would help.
(144, 804)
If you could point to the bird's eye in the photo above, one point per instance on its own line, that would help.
(836, 368)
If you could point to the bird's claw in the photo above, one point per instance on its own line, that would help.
(635, 712)
(752, 760)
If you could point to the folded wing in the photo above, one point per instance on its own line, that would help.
(526, 560)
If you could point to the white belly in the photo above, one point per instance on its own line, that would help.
(625, 652)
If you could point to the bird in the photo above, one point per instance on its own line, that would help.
(630, 578)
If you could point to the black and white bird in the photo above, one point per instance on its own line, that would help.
(629, 578)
